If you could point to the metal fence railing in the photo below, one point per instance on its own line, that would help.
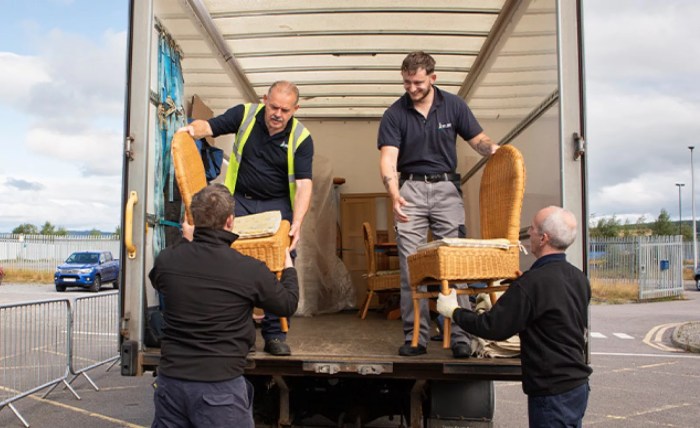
(43, 343)
(661, 268)
(654, 263)
(42, 253)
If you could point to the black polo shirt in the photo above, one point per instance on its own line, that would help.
(429, 145)
(263, 170)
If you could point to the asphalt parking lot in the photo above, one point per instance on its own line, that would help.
(640, 379)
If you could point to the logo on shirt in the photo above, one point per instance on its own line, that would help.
(444, 125)
(284, 145)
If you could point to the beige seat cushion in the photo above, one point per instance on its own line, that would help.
(501, 243)
(257, 225)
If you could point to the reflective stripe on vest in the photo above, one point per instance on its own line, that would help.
(296, 136)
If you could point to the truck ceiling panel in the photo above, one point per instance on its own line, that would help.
(346, 56)
(223, 7)
(311, 77)
(250, 27)
(361, 44)
(368, 62)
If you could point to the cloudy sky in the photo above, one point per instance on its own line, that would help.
(62, 78)
(62, 69)
(643, 105)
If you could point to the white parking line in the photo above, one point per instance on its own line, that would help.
(623, 336)
(597, 335)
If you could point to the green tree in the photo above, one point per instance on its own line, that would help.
(48, 229)
(686, 231)
(26, 229)
(663, 225)
(95, 232)
(609, 227)
(118, 231)
(61, 231)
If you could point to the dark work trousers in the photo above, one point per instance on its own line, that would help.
(188, 404)
(437, 206)
(271, 328)
(563, 410)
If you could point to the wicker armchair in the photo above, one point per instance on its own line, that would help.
(377, 281)
(191, 178)
(484, 260)
(189, 169)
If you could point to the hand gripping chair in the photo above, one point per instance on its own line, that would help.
(191, 178)
(492, 258)
(377, 281)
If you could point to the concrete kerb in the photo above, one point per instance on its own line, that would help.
(687, 336)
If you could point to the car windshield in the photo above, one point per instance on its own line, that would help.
(83, 258)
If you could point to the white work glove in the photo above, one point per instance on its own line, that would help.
(446, 304)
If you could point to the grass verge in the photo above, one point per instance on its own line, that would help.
(28, 276)
(614, 292)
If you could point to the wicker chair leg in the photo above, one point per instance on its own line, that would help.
(492, 296)
(446, 330)
(365, 306)
(416, 320)
(284, 325)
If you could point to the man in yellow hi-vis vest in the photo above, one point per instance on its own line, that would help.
(269, 169)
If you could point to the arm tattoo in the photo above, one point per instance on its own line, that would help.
(387, 181)
(484, 146)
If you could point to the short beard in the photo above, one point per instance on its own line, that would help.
(425, 95)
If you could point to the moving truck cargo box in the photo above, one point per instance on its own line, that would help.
(516, 63)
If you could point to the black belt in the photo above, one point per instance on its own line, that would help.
(246, 196)
(430, 178)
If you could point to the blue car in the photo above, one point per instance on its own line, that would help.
(87, 269)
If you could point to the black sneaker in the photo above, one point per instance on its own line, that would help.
(406, 350)
(277, 347)
(461, 350)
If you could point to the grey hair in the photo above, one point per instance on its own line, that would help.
(560, 226)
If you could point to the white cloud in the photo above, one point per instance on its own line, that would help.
(93, 151)
(643, 103)
(69, 99)
(73, 203)
(19, 75)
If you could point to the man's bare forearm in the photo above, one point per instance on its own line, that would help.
(485, 146)
(391, 183)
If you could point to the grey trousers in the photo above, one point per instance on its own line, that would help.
(437, 206)
(189, 404)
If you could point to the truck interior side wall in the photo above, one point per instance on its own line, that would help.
(352, 150)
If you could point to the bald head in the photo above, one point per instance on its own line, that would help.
(559, 224)
(285, 87)
(553, 230)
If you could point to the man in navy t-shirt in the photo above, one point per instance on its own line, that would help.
(418, 163)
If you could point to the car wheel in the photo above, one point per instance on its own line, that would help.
(115, 284)
(60, 288)
(96, 285)
(697, 284)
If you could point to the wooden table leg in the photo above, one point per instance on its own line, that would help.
(446, 330)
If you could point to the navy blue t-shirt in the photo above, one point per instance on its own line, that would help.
(429, 145)
(263, 170)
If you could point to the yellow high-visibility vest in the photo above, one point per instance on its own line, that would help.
(296, 136)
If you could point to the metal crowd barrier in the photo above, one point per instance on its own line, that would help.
(94, 340)
(44, 343)
(34, 349)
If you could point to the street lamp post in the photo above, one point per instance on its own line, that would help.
(692, 201)
(679, 206)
